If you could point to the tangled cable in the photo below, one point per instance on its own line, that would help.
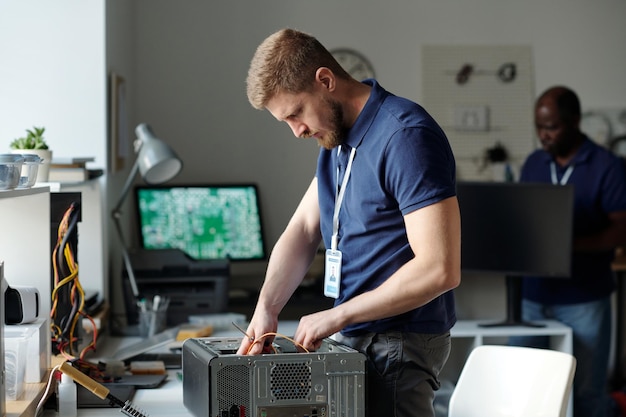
(67, 290)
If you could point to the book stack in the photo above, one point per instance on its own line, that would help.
(71, 170)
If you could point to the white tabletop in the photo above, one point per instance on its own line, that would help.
(167, 399)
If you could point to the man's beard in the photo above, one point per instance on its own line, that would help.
(559, 149)
(337, 135)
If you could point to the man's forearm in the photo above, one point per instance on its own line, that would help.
(288, 264)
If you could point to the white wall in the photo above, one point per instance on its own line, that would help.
(52, 74)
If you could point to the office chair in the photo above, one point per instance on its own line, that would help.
(511, 381)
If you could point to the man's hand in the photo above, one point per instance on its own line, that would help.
(253, 342)
(313, 328)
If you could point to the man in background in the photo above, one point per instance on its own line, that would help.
(582, 302)
(383, 200)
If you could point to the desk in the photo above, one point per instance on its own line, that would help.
(168, 399)
(165, 401)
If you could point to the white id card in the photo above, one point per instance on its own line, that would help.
(332, 273)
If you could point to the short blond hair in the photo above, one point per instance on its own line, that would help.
(286, 61)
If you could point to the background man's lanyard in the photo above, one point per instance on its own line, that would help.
(565, 177)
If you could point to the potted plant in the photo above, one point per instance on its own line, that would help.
(34, 143)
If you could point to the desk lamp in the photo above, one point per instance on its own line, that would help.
(157, 163)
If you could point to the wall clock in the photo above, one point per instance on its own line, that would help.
(598, 127)
(618, 145)
(355, 63)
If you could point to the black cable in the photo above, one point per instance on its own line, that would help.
(62, 265)
(70, 229)
(70, 317)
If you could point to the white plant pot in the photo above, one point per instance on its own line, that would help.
(44, 168)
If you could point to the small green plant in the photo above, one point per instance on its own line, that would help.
(33, 140)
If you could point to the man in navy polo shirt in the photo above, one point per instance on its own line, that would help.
(383, 200)
(582, 302)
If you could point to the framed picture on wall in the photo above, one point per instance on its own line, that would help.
(118, 123)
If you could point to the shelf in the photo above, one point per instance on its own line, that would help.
(27, 404)
(21, 192)
(25, 246)
(560, 335)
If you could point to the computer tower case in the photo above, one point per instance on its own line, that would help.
(219, 383)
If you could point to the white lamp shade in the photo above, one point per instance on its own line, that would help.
(157, 161)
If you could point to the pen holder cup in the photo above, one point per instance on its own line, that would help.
(152, 322)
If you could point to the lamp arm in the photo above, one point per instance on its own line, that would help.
(116, 214)
(126, 258)
(126, 189)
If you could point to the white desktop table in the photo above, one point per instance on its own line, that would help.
(164, 401)
(167, 399)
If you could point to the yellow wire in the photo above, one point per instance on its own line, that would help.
(78, 288)
(73, 276)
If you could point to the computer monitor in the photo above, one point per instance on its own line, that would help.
(516, 230)
(206, 222)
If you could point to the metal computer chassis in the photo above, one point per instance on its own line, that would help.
(219, 383)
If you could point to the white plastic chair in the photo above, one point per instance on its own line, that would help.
(511, 381)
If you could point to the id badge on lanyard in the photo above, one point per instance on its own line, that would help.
(332, 273)
(332, 266)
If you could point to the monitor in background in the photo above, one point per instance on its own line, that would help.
(516, 230)
(205, 221)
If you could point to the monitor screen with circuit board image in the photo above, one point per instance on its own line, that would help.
(205, 221)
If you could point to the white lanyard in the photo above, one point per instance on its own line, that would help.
(565, 177)
(339, 193)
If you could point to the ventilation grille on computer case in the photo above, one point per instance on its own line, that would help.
(291, 381)
(234, 387)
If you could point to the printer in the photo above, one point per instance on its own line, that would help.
(193, 286)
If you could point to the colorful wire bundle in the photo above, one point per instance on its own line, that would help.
(66, 280)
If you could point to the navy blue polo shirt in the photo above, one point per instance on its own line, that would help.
(599, 180)
(403, 162)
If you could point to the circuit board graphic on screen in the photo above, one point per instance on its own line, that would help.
(204, 221)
